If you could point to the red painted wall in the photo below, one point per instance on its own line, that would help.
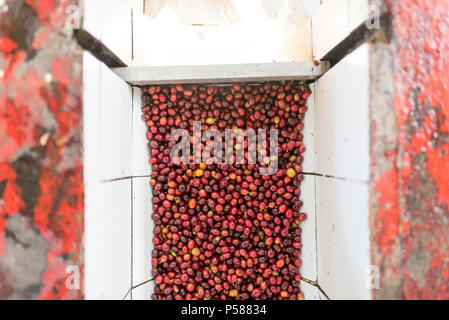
(41, 174)
(410, 152)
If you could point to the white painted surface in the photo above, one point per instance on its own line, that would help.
(343, 238)
(309, 134)
(116, 211)
(93, 249)
(116, 32)
(116, 126)
(107, 112)
(143, 292)
(222, 32)
(222, 73)
(91, 117)
(136, 5)
(142, 234)
(308, 252)
(342, 119)
(322, 296)
(110, 21)
(310, 292)
(142, 223)
(358, 12)
(115, 148)
(92, 17)
(140, 148)
(108, 165)
(107, 135)
(204, 32)
(334, 21)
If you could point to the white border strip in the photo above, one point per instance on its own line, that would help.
(225, 73)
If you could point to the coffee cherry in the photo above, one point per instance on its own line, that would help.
(226, 231)
(233, 293)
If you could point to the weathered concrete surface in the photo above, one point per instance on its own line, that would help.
(41, 182)
(410, 152)
(24, 259)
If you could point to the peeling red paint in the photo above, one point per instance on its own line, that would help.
(43, 7)
(16, 117)
(413, 197)
(7, 45)
(40, 122)
(10, 201)
(11, 62)
(41, 38)
(57, 208)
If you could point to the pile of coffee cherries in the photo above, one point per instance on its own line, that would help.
(225, 231)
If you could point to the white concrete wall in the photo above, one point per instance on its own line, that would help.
(192, 32)
(118, 224)
(309, 266)
(221, 32)
(334, 21)
(118, 197)
(342, 156)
